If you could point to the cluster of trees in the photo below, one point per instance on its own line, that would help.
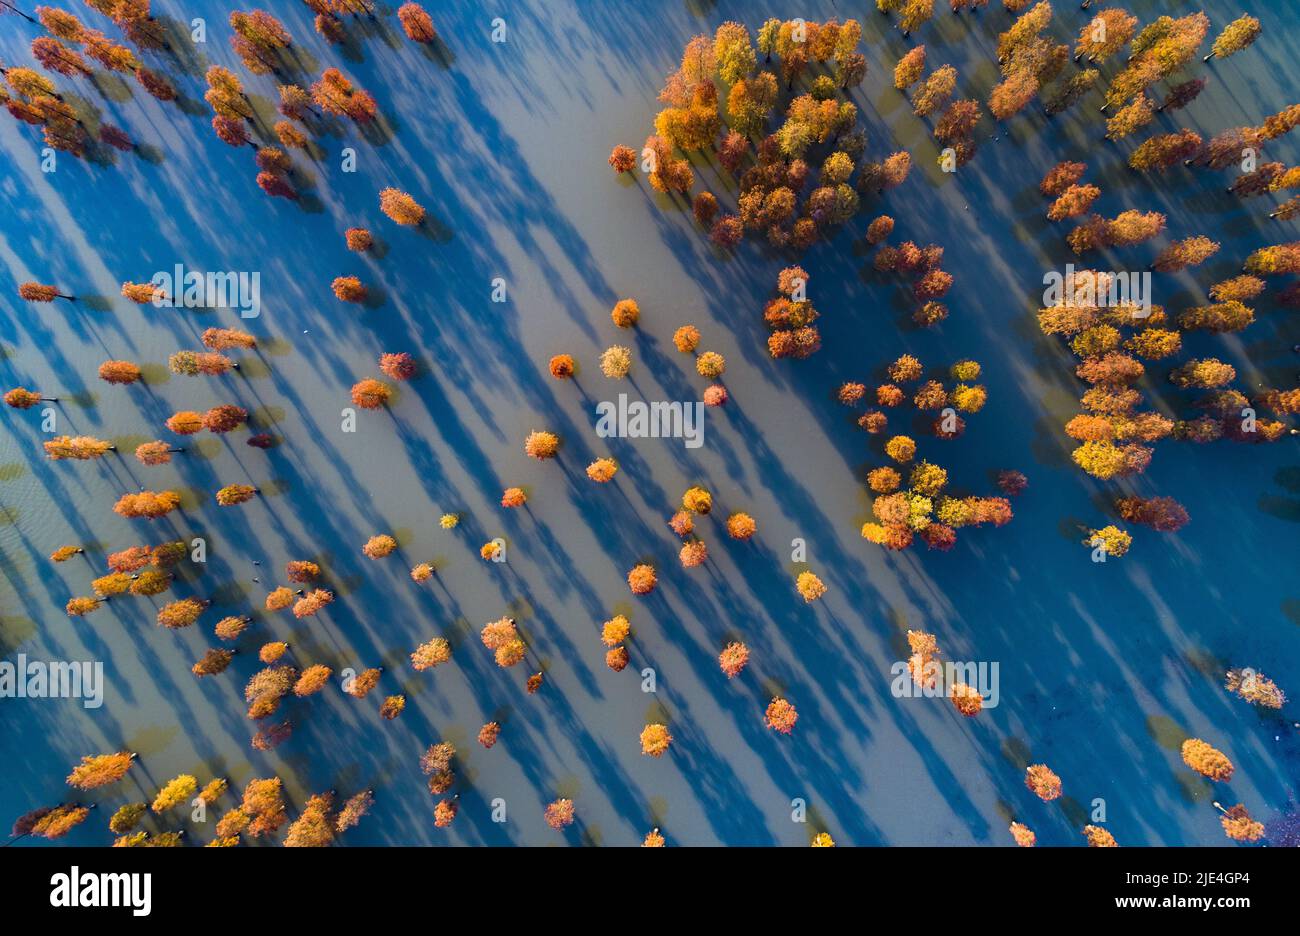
(920, 504)
(817, 129)
(265, 47)
(1117, 336)
(436, 763)
(697, 501)
(260, 40)
(912, 14)
(97, 771)
(1198, 755)
(92, 773)
(1028, 61)
(790, 317)
(503, 639)
(1156, 53)
(957, 120)
(614, 634)
(137, 570)
(34, 100)
(922, 265)
(722, 100)
(927, 672)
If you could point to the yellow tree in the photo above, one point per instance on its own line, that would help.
(174, 792)
(1206, 760)
(1237, 35)
(431, 654)
(655, 740)
(314, 827)
(100, 770)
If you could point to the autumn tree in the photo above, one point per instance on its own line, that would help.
(642, 579)
(1206, 761)
(560, 814)
(780, 716)
(733, 658)
(349, 289)
(57, 822)
(655, 740)
(40, 292)
(263, 804)
(360, 685)
(966, 699)
(1273, 260)
(416, 23)
(1160, 513)
(1074, 201)
(1185, 253)
(335, 94)
(80, 448)
(431, 654)
(401, 207)
(100, 770)
(1023, 835)
(625, 313)
(147, 504)
(266, 688)
(1236, 36)
(1098, 837)
(1203, 373)
(910, 68)
(937, 91)
(175, 792)
(1130, 118)
(180, 614)
(214, 661)
(1061, 177)
(1238, 824)
(1013, 94)
(233, 494)
(1109, 31)
(1045, 784)
(312, 680)
(370, 393)
(1255, 688)
(622, 159)
(224, 418)
(64, 553)
(301, 570)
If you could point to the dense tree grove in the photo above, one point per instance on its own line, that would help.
(1120, 336)
(768, 137)
(912, 499)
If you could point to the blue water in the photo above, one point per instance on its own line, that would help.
(1104, 669)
